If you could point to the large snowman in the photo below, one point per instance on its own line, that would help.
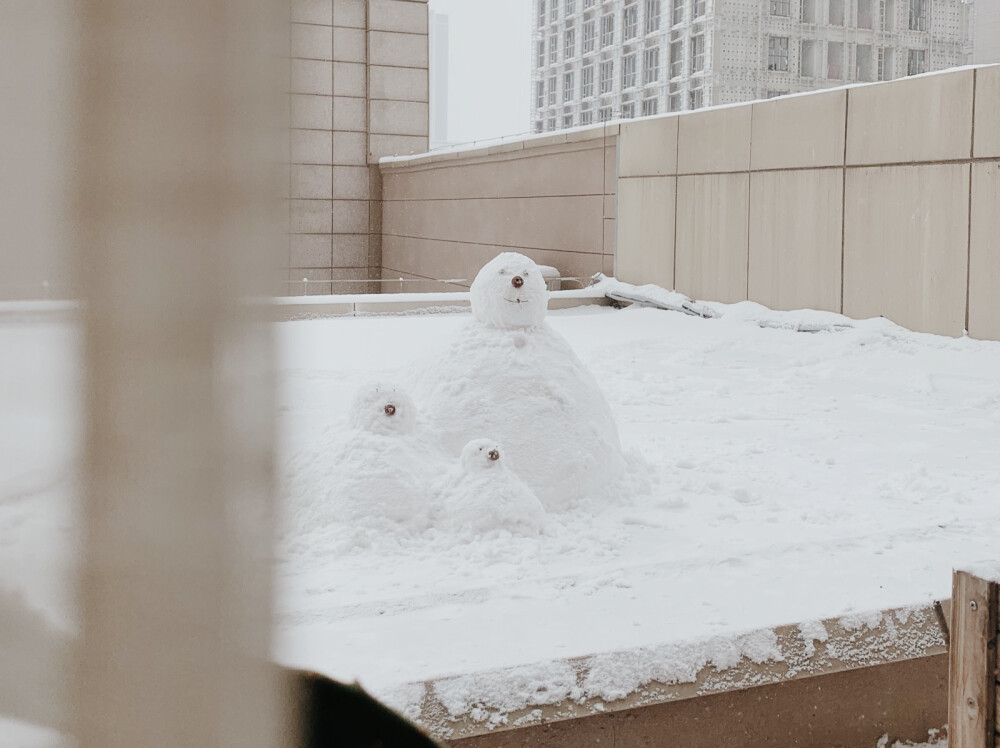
(508, 374)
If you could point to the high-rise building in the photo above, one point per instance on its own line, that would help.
(986, 31)
(596, 60)
(438, 43)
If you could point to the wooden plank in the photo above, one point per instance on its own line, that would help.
(972, 663)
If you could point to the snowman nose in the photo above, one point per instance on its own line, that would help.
(494, 455)
(390, 409)
(517, 281)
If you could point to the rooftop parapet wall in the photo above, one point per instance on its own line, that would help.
(868, 200)
(445, 214)
(845, 681)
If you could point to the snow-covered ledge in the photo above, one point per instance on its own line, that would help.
(481, 709)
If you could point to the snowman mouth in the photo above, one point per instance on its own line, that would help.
(515, 301)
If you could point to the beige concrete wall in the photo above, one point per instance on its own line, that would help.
(359, 92)
(874, 200)
(552, 198)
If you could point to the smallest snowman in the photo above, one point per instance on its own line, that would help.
(482, 495)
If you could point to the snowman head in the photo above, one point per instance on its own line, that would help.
(383, 409)
(509, 292)
(481, 454)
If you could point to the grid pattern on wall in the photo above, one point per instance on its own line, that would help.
(629, 58)
(359, 90)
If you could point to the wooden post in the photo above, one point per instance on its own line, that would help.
(972, 683)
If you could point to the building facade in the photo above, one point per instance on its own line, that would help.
(596, 60)
(359, 91)
(986, 31)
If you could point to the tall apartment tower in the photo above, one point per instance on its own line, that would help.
(986, 31)
(438, 79)
(595, 60)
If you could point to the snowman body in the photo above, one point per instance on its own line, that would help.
(481, 495)
(507, 373)
(373, 475)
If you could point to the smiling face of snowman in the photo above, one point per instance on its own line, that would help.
(481, 454)
(383, 409)
(509, 292)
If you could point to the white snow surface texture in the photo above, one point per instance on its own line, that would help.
(786, 477)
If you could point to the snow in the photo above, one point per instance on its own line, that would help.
(786, 476)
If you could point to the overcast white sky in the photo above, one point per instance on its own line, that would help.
(489, 67)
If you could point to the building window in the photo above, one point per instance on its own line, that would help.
(607, 76)
(550, 124)
(808, 11)
(569, 43)
(918, 15)
(772, 94)
(836, 12)
(697, 8)
(604, 114)
(777, 53)
(537, 125)
(886, 13)
(607, 30)
(630, 21)
(541, 12)
(568, 86)
(554, 11)
(781, 8)
(916, 61)
(807, 58)
(835, 61)
(649, 106)
(628, 71)
(541, 53)
(677, 14)
(698, 53)
(586, 117)
(567, 120)
(864, 14)
(553, 49)
(539, 94)
(676, 58)
(696, 98)
(587, 82)
(589, 3)
(652, 16)
(570, 7)
(589, 37)
(651, 65)
(628, 110)
(674, 98)
(884, 64)
(552, 90)
(863, 63)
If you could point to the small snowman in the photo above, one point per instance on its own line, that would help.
(509, 374)
(483, 495)
(373, 475)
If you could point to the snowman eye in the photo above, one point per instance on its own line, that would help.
(517, 281)
(494, 455)
(390, 409)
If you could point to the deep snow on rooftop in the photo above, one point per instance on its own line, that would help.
(786, 476)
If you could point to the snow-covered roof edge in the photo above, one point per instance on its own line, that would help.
(466, 705)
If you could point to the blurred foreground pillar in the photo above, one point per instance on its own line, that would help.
(177, 161)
